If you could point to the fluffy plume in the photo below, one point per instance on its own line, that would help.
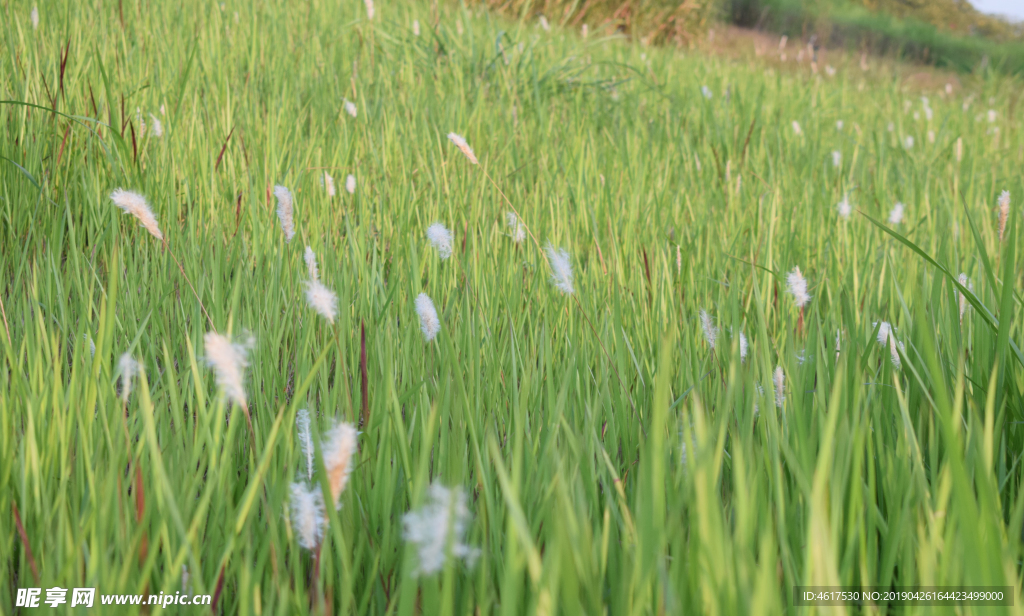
(706, 91)
(796, 285)
(779, 382)
(310, 257)
(350, 184)
(991, 116)
(302, 424)
(837, 158)
(416, 27)
(584, 30)
(157, 130)
(369, 9)
(887, 336)
(322, 300)
(544, 23)
(329, 184)
(339, 447)
(683, 447)
(796, 128)
(92, 345)
(284, 211)
(350, 107)
(517, 230)
(438, 528)
(441, 238)
(561, 269)
(228, 360)
(430, 325)
(462, 145)
(307, 512)
(896, 214)
(839, 125)
(744, 346)
(844, 208)
(966, 283)
(908, 142)
(1004, 212)
(135, 204)
(128, 368)
(710, 331)
(34, 17)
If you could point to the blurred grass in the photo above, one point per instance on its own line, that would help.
(850, 25)
(667, 201)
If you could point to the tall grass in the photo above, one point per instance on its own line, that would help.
(613, 462)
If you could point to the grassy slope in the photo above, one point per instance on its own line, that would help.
(867, 475)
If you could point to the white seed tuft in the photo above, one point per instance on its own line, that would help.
(228, 360)
(307, 513)
(350, 184)
(350, 107)
(302, 425)
(311, 267)
(462, 145)
(128, 368)
(517, 229)
(322, 300)
(329, 184)
(339, 447)
(441, 239)
(135, 204)
(896, 214)
(708, 326)
(1004, 212)
(439, 528)
(779, 382)
(561, 269)
(285, 211)
(796, 285)
(430, 325)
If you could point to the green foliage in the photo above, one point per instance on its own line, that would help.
(614, 462)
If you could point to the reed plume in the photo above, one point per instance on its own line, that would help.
(285, 211)
(135, 204)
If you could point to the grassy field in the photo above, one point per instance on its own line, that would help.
(613, 461)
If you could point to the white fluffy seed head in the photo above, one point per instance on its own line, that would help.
(307, 513)
(544, 23)
(285, 211)
(709, 329)
(415, 27)
(1004, 212)
(128, 368)
(908, 142)
(837, 158)
(796, 285)
(311, 267)
(966, 283)
(896, 214)
(887, 337)
(157, 128)
(135, 204)
(844, 208)
(796, 128)
(439, 528)
(350, 107)
(350, 184)
(369, 9)
(441, 238)
(228, 360)
(462, 145)
(302, 425)
(34, 17)
(92, 344)
(322, 300)
(516, 228)
(839, 125)
(779, 382)
(561, 269)
(339, 448)
(744, 347)
(329, 184)
(706, 92)
(430, 325)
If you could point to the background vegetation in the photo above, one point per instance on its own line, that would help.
(614, 460)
